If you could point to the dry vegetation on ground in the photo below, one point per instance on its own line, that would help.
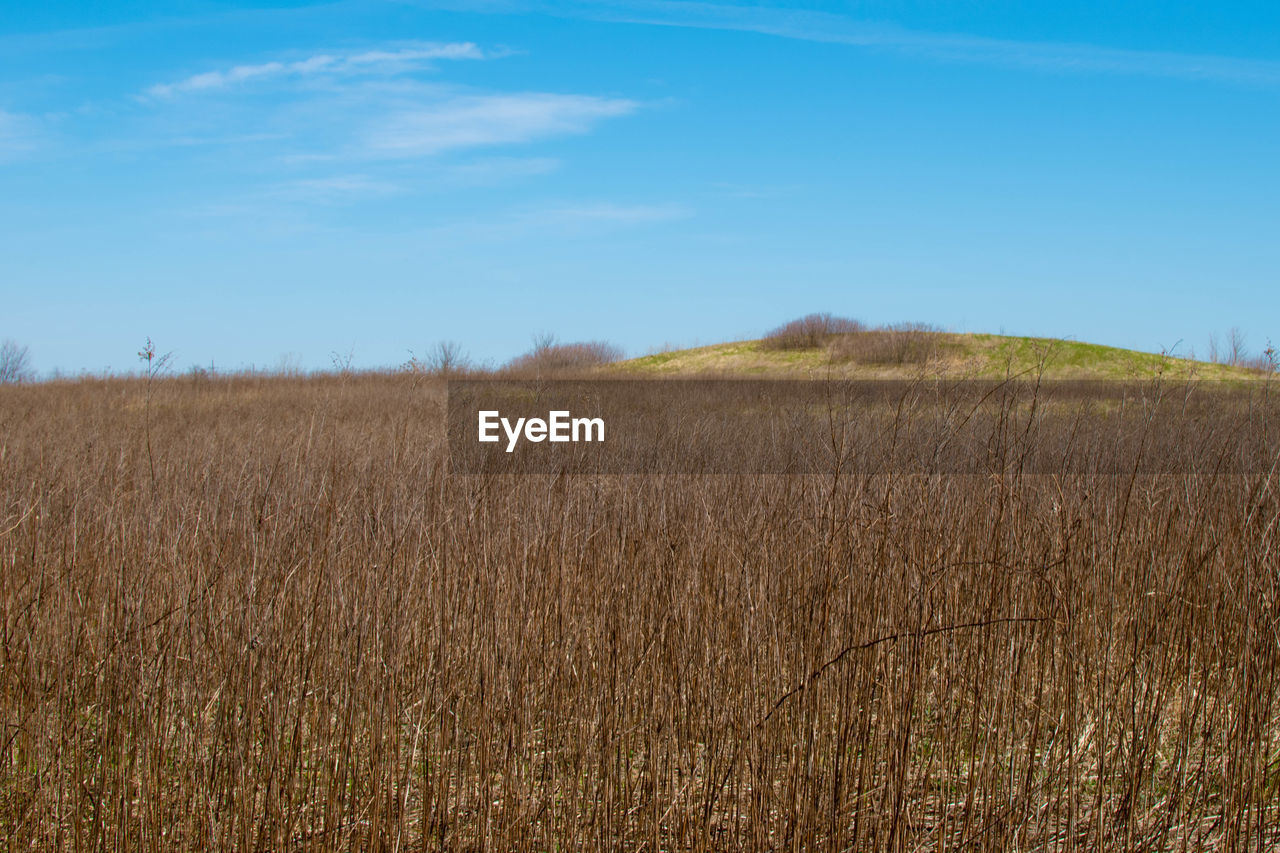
(258, 614)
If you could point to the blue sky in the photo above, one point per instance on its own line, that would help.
(248, 183)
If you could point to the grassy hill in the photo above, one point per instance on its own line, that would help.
(935, 354)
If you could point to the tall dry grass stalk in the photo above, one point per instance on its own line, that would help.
(302, 634)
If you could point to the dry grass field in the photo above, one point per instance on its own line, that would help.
(256, 613)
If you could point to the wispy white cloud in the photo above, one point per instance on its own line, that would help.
(325, 63)
(388, 116)
(349, 137)
(830, 27)
(490, 119)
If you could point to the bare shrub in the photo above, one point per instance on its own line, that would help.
(14, 363)
(1237, 351)
(343, 362)
(289, 364)
(1264, 362)
(809, 332)
(445, 359)
(901, 344)
(547, 356)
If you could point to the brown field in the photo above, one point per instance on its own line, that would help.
(256, 613)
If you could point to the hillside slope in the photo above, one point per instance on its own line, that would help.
(945, 354)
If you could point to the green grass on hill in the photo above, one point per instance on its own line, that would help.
(977, 356)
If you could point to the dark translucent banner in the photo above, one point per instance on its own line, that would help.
(730, 426)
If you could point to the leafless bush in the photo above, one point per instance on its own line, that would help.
(1264, 362)
(1237, 352)
(289, 364)
(902, 344)
(343, 362)
(14, 363)
(446, 359)
(809, 332)
(547, 356)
